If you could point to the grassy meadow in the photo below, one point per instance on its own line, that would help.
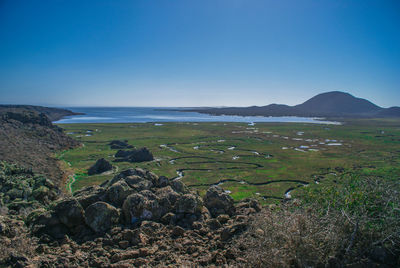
(264, 160)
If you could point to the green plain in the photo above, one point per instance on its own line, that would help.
(267, 152)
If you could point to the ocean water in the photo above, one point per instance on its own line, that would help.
(159, 115)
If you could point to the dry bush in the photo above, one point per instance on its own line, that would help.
(356, 221)
(283, 238)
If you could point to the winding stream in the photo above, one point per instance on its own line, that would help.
(243, 165)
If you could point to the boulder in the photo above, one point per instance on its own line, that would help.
(167, 197)
(179, 186)
(101, 216)
(141, 155)
(70, 212)
(118, 192)
(189, 203)
(162, 181)
(45, 222)
(138, 183)
(218, 202)
(123, 153)
(133, 208)
(117, 144)
(126, 173)
(141, 206)
(90, 195)
(100, 166)
(135, 155)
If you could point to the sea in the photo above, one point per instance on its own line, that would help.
(160, 115)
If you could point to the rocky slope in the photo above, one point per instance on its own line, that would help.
(30, 139)
(135, 219)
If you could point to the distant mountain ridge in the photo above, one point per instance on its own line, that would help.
(329, 104)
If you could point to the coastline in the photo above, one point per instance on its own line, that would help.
(156, 115)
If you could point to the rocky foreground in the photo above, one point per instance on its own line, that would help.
(135, 219)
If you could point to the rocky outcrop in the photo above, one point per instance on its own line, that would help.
(135, 155)
(136, 219)
(131, 197)
(100, 166)
(117, 144)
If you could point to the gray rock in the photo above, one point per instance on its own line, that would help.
(162, 181)
(138, 183)
(100, 166)
(134, 155)
(118, 192)
(151, 177)
(90, 195)
(70, 212)
(101, 216)
(117, 144)
(48, 223)
(218, 202)
(126, 173)
(179, 186)
(167, 197)
(134, 208)
(188, 203)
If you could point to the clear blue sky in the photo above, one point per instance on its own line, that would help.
(197, 53)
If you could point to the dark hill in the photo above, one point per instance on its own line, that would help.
(389, 112)
(330, 104)
(53, 114)
(337, 103)
(270, 110)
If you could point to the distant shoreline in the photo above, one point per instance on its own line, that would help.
(155, 115)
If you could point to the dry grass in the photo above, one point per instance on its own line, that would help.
(340, 225)
(283, 238)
